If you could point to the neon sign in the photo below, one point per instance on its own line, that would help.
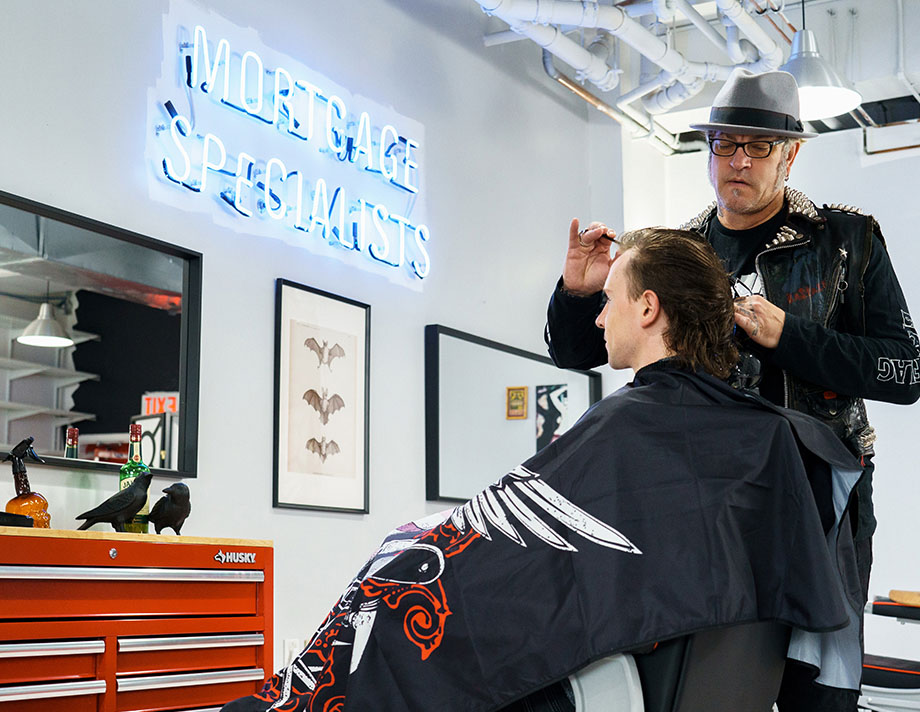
(281, 150)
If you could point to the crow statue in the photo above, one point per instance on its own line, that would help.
(171, 510)
(120, 507)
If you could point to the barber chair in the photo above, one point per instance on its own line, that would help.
(734, 668)
(891, 684)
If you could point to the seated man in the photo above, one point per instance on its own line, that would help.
(675, 505)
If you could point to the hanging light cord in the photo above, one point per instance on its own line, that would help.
(56, 301)
(803, 14)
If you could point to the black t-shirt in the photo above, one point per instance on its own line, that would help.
(738, 249)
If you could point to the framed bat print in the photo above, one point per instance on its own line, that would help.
(322, 349)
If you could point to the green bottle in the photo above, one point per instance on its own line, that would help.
(131, 469)
(72, 445)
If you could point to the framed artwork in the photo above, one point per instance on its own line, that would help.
(516, 403)
(552, 413)
(470, 439)
(322, 373)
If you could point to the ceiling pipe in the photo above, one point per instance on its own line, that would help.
(762, 10)
(639, 9)
(602, 46)
(664, 10)
(740, 51)
(710, 72)
(667, 98)
(616, 22)
(589, 66)
(538, 20)
(659, 81)
(609, 18)
(771, 56)
(667, 147)
(708, 31)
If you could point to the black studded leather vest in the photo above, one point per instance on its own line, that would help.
(814, 268)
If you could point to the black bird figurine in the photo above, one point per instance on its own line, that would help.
(171, 510)
(121, 506)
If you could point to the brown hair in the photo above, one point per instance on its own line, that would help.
(694, 292)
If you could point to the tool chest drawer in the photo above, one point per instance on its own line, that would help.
(112, 622)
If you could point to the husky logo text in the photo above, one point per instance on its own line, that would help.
(235, 557)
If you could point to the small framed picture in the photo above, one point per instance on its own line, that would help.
(516, 403)
(552, 413)
(322, 372)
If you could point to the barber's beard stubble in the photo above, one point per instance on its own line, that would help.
(750, 207)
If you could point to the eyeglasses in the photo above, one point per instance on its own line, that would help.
(752, 149)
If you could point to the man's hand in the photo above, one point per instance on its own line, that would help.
(588, 259)
(761, 320)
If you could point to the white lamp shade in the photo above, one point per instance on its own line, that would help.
(45, 330)
(824, 102)
(821, 91)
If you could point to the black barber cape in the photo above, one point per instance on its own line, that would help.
(674, 505)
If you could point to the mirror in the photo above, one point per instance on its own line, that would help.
(130, 307)
(489, 407)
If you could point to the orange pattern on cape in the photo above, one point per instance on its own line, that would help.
(423, 622)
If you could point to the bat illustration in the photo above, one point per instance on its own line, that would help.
(322, 448)
(324, 404)
(324, 353)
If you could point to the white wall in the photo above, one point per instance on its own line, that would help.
(833, 169)
(506, 170)
(510, 159)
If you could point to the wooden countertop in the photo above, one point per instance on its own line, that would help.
(126, 536)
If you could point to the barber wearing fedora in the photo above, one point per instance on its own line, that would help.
(824, 319)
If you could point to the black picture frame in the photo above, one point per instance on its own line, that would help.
(435, 488)
(321, 455)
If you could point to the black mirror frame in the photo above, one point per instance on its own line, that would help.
(189, 341)
(432, 407)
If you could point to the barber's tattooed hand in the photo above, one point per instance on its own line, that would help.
(588, 259)
(762, 321)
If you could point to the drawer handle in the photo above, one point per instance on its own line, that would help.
(136, 645)
(57, 647)
(101, 573)
(53, 689)
(158, 682)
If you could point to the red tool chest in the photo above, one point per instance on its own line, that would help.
(111, 622)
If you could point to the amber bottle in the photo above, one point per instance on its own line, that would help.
(27, 502)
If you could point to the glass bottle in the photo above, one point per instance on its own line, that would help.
(27, 502)
(72, 445)
(129, 471)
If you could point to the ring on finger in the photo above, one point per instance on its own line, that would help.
(582, 242)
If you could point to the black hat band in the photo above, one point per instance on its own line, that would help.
(760, 118)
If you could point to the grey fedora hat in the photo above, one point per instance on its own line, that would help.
(751, 103)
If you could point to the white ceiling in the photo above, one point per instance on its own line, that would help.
(860, 38)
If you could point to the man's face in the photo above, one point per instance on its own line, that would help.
(620, 316)
(749, 189)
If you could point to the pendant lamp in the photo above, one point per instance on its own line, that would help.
(822, 93)
(45, 330)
